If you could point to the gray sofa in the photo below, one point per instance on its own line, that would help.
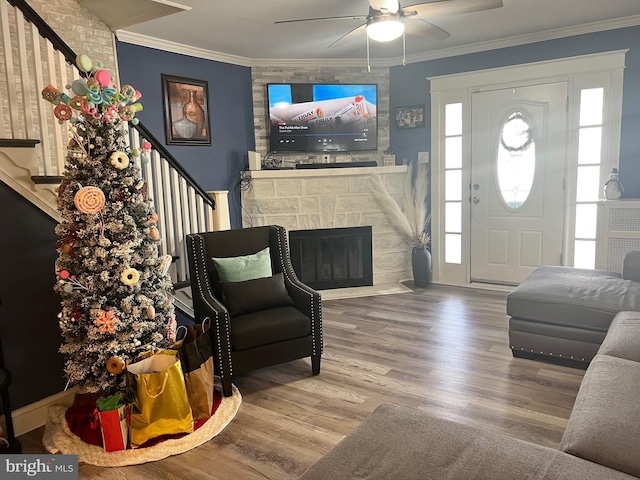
(563, 313)
(601, 441)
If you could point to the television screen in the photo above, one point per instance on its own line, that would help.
(322, 117)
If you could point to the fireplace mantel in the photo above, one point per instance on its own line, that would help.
(327, 172)
(331, 198)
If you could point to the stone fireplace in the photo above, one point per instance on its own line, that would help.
(332, 198)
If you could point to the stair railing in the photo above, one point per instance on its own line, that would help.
(34, 56)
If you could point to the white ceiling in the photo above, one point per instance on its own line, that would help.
(243, 31)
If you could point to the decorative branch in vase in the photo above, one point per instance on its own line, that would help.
(412, 219)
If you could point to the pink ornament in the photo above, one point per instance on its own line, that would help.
(146, 145)
(64, 274)
(103, 78)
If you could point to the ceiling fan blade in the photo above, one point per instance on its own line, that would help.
(426, 30)
(349, 35)
(391, 6)
(345, 17)
(441, 8)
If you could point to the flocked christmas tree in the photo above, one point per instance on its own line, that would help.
(111, 279)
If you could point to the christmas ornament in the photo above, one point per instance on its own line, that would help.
(89, 199)
(115, 365)
(119, 160)
(130, 276)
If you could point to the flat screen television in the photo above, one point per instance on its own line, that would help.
(308, 117)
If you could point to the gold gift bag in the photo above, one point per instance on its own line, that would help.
(161, 405)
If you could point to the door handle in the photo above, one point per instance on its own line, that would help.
(476, 199)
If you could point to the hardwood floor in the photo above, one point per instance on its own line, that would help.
(442, 350)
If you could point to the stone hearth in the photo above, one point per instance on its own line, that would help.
(332, 198)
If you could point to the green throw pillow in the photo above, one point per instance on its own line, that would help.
(246, 267)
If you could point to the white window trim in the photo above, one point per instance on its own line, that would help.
(585, 71)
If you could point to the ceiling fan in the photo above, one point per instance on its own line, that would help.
(387, 20)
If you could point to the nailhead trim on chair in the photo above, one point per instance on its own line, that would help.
(201, 270)
(282, 239)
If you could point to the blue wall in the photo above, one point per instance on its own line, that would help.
(215, 167)
(409, 85)
(28, 314)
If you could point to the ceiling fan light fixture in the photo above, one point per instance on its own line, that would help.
(385, 28)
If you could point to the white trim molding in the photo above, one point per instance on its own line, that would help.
(587, 71)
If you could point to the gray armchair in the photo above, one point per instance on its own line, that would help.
(246, 336)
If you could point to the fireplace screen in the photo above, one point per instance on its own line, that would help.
(333, 257)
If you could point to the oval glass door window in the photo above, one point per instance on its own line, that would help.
(516, 162)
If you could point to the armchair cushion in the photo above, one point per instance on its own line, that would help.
(255, 295)
(269, 326)
(245, 267)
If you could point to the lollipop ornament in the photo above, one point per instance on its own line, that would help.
(94, 96)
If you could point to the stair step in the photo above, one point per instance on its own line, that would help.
(18, 143)
(46, 179)
(183, 284)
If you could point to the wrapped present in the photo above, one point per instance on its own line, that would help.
(112, 413)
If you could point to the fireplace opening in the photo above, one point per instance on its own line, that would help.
(332, 257)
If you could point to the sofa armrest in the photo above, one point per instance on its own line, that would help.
(631, 266)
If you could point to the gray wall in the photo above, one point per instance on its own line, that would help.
(409, 85)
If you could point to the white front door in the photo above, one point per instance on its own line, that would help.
(517, 174)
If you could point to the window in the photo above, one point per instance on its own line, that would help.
(516, 162)
(453, 183)
(588, 181)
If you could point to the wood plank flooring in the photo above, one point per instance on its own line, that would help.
(442, 350)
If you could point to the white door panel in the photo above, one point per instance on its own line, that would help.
(517, 181)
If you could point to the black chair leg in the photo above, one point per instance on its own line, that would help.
(315, 364)
(227, 391)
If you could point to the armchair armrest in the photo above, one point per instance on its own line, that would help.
(205, 304)
(631, 266)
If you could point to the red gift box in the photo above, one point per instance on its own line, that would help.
(115, 432)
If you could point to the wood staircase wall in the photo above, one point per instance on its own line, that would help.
(32, 142)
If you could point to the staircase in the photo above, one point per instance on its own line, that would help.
(32, 143)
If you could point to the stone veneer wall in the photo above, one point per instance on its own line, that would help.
(332, 198)
(81, 30)
(261, 76)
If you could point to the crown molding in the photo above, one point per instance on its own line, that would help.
(623, 22)
(160, 44)
(167, 46)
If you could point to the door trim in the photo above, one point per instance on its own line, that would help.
(603, 69)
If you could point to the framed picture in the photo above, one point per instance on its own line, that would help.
(408, 117)
(186, 111)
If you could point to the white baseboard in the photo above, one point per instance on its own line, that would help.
(34, 415)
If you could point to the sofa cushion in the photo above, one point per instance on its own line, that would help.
(268, 326)
(623, 337)
(402, 443)
(603, 426)
(573, 297)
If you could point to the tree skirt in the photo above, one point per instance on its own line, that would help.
(59, 439)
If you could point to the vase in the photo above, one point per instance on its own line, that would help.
(421, 266)
(185, 128)
(194, 113)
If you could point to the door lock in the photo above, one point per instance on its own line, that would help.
(476, 186)
(476, 199)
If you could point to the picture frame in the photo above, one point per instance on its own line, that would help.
(186, 111)
(411, 116)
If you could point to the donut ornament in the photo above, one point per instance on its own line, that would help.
(119, 160)
(89, 200)
(115, 365)
(130, 276)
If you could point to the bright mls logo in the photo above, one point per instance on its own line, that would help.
(52, 467)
